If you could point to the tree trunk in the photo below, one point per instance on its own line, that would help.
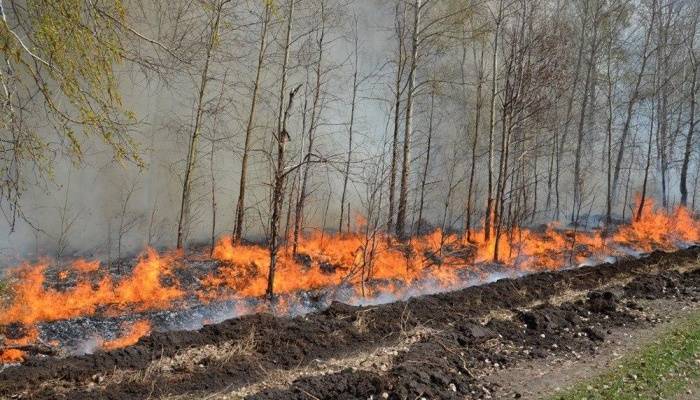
(642, 199)
(691, 126)
(492, 125)
(240, 204)
(569, 110)
(350, 131)
(408, 128)
(475, 139)
(400, 64)
(578, 180)
(313, 123)
(192, 150)
(281, 138)
(427, 164)
(632, 101)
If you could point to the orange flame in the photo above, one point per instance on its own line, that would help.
(33, 302)
(134, 332)
(368, 264)
(11, 356)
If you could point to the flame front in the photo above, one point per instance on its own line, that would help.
(33, 302)
(368, 264)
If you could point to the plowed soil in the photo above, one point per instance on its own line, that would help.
(436, 347)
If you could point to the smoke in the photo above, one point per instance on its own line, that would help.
(102, 208)
(88, 208)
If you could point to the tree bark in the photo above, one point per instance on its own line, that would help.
(691, 122)
(240, 204)
(400, 65)
(492, 126)
(313, 123)
(408, 128)
(350, 132)
(192, 150)
(427, 164)
(475, 139)
(279, 175)
(634, 97)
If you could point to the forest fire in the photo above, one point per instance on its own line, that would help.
(344, 199)
(33, 302)
(368, 266)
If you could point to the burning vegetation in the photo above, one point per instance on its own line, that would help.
(352, 266)
(358, 153)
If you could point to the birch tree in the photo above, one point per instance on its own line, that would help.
(240, 204)
(211, 43)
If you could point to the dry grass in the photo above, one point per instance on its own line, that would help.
(363, 320)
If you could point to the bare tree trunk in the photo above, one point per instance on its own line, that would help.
(578, 180)
(642, 200)
(492, 125)
(662, 92)
(350, 131)
(400, 65)
(695, 184)
(475, 138)
(502, 176)
(569, 110)
(408, 128)
(281, 138)
(634, 97)
(213, 197)
(691, 122)
(427, 163)
(192, 150)
(609, 134)
(123, 229)
(313, 123)
(240, 204)
(629, 176)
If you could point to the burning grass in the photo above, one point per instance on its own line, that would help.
(134, 332)
(366, 266)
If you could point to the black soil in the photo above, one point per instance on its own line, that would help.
(442, 365)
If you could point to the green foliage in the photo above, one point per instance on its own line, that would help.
(82, 45)
(59, 59)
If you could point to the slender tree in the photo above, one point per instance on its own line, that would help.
(212, 42)
(240, 204)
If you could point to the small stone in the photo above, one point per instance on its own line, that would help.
(385, 395)
(453, 387)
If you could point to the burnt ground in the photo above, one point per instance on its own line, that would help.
(437, 347)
